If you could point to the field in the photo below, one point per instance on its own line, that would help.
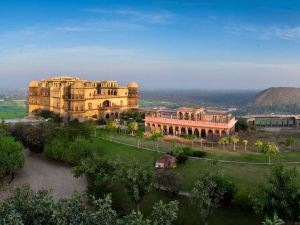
(246, 178)
(12, 109)
(246, 175)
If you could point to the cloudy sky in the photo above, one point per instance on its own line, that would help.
(210, 44)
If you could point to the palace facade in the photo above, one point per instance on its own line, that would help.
(73, 98)
(274, 120)
(195, 121)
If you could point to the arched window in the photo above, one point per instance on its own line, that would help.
(115, 92)
(106, 103)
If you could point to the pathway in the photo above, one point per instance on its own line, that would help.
(42, 173)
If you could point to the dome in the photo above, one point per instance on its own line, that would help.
(132, 85)
(34, 84)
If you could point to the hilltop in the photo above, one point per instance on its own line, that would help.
(277, 96)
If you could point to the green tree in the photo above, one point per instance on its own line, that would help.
(139, 135)
(133, 127)
(164, 214)
(100, 173)
(241, 125)
(29, 207)
(281, 195)
(168, 181)
(269, 149)
(273, 221)
(138, 182)
(206, 195)
(111, 127)
(156, 137)
(258, 144)
(289, 142)
(234, 141)
(135, 218)
(102, 212)
(69, 211)
(223, 141)
(12, 157)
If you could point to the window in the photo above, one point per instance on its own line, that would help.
(90, 106)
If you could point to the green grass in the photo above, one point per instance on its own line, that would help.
(245, 177)
(12, 109)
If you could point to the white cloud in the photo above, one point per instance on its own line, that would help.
(159, 17)
(266, 32)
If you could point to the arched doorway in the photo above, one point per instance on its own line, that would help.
(106, 103)
(183, 131)
(117, 115)
(171, 131)
(196, 133)
(203, 133)
(107, 116)
(190, 131)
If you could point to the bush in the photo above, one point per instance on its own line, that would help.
(189, 152)
(67, 151)
(169, 181)
(228, 188)
(180, 156)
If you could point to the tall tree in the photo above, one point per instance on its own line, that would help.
(258, 144)
(12, 157)
(281, 195)
(234, 141)
(269, 149)
(223, 141)
(138, 182)
(133, 127)
(139, 135)
(245, 144)
(164, 214)
(206, 195)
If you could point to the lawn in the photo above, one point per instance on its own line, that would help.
(245, 177)
(12, 109)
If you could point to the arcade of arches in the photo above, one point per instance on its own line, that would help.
(187, 121)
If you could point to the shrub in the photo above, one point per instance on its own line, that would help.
(180, 156)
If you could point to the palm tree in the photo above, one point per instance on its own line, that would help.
(258, 144)
(269, 149)
(245, 144)
(223, 141)
(234, 141)
(133, 127)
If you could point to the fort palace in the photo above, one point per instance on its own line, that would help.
(193, 121)
(73, 98)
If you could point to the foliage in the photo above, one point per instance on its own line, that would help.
(26, 207)
(135, 218)
(280, 196)
(258, 144)
(273, 221)
(164, 214)
(111, 126)
(69, 151)
(241, 124)
(269, 149)
(100, 173)
(289, 142)
(208, 193)
(138, 181)
(169, 181)
(234, 141)
(223, 141)
(133, 127)
(180, 155)
(75, 129)
(12, 156)
(69, 211)
(46, 114)
(133, 114)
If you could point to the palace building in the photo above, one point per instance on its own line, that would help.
(195, 121)
(73, 98)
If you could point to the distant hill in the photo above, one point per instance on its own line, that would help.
(277, 96)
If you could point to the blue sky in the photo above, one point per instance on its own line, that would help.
(212, 44)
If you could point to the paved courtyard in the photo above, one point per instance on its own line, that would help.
(42, 173)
